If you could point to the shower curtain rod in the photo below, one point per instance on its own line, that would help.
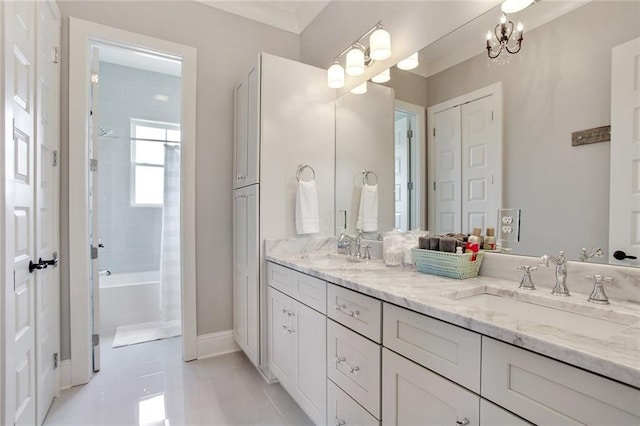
(140, 139)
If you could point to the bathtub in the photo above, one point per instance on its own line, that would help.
(129, 298)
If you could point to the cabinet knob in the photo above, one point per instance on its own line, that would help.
(340, 422)
(463, 422)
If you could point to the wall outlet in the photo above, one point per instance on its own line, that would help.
(508, 225)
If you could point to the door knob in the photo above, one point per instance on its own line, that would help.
(39, 265)
(51, 262)
(620, 255)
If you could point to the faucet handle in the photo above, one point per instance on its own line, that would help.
(527, 282)
(597, 294)
(367, 254)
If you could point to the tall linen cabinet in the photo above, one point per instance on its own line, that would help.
(284, 117)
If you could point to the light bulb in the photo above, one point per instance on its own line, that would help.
(409, 63)
(489, 35)
(520, 27)
(380, 45)
(513, 6)
(355, 62)
(335, 76)
(383, 77)
(359, 90)
(503, 19)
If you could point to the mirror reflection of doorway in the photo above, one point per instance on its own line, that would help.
(408, 165)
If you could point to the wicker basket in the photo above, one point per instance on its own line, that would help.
(450, 265)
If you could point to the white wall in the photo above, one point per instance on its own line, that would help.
(227, 46)
(558, 84)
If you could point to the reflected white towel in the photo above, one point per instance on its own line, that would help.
(368, 212)
(307, 215)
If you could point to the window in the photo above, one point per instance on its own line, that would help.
(147, 160)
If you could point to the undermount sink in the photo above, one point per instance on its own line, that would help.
(330, 259)
(562, 313)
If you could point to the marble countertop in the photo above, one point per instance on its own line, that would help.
(611, 353)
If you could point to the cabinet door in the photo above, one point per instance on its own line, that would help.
(240, 147)
(246, 270)
(492, 415)
(281, 338)
(413, 395)
(310, 329)
(253, 127)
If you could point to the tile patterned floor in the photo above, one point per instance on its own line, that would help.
(149, 385)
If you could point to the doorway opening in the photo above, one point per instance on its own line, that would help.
(409, 166)
(131, 199)
(136, 104)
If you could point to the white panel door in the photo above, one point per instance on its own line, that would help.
(20, 146)
(47, 204)
(401, 166)
(481, 165)
(447, 171)
(94, 210)
(239, 268)
(624, 215)
(240, 148)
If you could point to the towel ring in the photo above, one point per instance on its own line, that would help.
(365, 176)
(301, 169)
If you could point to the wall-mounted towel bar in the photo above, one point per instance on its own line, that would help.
(301, 169)
(365, 177)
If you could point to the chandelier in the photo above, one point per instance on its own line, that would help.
(505, 37)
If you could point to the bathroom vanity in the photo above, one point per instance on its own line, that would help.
(356, 342)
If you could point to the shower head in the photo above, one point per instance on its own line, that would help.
(104, 132)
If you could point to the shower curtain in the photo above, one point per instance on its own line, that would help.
(170, 249)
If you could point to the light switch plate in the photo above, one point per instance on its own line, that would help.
(508, 225)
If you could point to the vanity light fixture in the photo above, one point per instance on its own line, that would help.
(505, 37)
(359, 90)
(409, 63)
(513, 6)
(383, 77)
(359, 56)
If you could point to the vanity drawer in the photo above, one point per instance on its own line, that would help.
(343, 410)
(353, 363)
(444, 348)
(309, 290)
(545, 391)
(356, 311)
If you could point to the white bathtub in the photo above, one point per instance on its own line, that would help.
(129, 298)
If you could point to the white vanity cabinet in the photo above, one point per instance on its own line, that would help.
(245, 272)
(298, 350)
(546, 391)
(246, 146)
(413, 395)
(281, 106)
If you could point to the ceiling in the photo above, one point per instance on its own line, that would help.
(138, 59)
(289, 15)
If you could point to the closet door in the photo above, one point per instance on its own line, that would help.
(481, 165)
(447, 182)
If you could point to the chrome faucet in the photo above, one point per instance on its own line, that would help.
(597, 294)
(586, 255)
(560, 289)
(358, 242)
(344, 243)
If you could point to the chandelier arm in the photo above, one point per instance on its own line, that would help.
(489, 50)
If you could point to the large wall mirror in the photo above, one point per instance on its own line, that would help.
(559, 83)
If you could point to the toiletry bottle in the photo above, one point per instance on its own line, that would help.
(475, 237)
(490, 239)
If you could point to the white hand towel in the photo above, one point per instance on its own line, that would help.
(307, 215)
(368, 212)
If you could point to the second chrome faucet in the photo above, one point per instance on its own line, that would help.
(560, 288)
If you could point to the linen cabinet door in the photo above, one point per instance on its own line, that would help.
(252, 245)
(281, 338)
(413, 395)
(311, 354)
(240, 268)
(240, 140)
(252, 174)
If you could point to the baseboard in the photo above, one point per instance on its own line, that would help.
(64, 374)
(214, 344)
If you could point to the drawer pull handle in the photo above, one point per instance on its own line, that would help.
(350, 313)
(340, 422)
(341, 359)
(463, 422)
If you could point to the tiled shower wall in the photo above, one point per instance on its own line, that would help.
(131, 235)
